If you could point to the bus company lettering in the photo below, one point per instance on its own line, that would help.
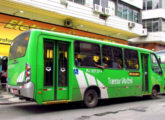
(19, 25)
(120, 81)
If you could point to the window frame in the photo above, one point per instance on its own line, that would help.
(82, 2)
(127, 12)
(125, 59)
(27, 33)
(79, 53)
(112, 47)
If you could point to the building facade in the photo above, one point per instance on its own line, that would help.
(108, 20)
(153, 18)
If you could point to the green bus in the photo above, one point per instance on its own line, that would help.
(51, 68)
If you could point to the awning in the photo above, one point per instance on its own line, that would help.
(4, 50)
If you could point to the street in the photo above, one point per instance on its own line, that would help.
(134, 108)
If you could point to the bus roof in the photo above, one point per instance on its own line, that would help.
(86, 39)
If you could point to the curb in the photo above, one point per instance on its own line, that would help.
(9, 103)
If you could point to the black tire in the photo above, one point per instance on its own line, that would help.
(154, 94)
(91, 98)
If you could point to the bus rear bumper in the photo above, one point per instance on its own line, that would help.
(26, 90)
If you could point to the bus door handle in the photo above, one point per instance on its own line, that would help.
(62, 69)
(48, 69)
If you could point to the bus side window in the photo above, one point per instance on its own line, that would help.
(131, 59)
(112, 57)
(86, 54)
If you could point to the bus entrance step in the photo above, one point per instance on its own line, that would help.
(55, 102)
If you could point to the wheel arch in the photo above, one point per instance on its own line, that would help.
(157, 87)
(96, 88)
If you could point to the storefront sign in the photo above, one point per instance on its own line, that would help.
(11, 26)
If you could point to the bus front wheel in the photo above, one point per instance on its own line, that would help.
(91, 98)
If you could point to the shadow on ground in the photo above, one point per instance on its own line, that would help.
(38, 109)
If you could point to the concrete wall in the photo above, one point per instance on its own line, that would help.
(136, 3)
(155, 13)
(86, 12)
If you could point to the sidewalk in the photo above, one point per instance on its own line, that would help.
(6, 98)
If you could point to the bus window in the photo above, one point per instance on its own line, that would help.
(19, 45)
(87, 53)
(155, 64)
(48, 63)
(131, 59)
(112, 57)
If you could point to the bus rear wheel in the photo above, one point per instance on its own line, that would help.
(154, 94)
(91, 98)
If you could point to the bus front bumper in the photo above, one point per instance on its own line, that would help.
(26, 90)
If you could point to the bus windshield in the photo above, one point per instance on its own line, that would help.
(19, 45)
(162, 56)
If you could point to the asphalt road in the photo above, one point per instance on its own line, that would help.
(134, 108)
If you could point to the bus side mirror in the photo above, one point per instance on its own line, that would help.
(159, 60)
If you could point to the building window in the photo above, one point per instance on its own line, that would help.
(125, 12)
(120, 10)
(149, 26)
(155, 26)
(128, 13)
(163, 25)
(151, 4)
(152, 25)
(136, 14)
(78, 1)
(163, 4)
(96, 2)
(103, 3)
(156, 4)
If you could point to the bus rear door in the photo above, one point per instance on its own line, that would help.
(52, 71)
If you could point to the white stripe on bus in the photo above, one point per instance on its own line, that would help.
(81, 81)
(91, 79)
(20, 77)
(104, 93)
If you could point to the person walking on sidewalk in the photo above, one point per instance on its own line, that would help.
(4, 74)
(4, 79)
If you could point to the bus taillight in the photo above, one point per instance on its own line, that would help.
(27, 73)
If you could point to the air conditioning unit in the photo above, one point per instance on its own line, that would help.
(107, 11)
(68, 23)
(64, 2)
(131, 24)
(97, 8)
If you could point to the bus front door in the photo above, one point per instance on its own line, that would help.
(144, 62)
(52, 76)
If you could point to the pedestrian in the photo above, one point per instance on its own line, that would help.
(4, 73)
(3, 79)
(0, 72)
